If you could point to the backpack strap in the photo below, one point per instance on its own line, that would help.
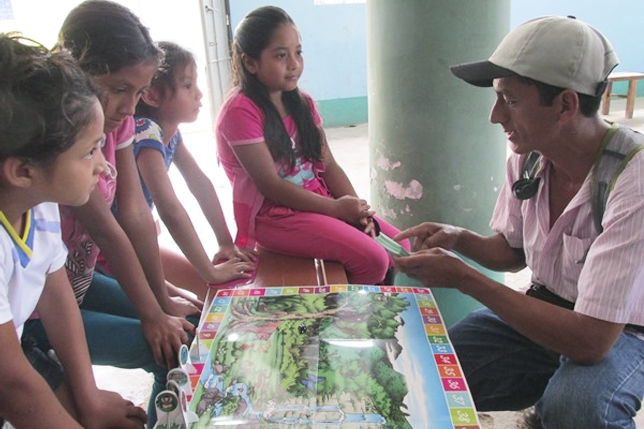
(616, 151)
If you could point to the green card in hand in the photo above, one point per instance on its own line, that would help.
(391, 246)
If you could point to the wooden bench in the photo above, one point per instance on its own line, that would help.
(276, 269)
(632, 78)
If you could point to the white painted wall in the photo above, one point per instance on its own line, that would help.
(333, 32)
(172, 20)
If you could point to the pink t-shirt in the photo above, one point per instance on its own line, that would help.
(83, 251)
(602, 273)
(241, 122)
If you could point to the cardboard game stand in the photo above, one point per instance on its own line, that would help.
(172, 404)
(334, 356)
(172, 408)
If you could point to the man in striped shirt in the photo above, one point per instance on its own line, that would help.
(577, 350)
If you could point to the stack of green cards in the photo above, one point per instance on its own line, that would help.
(391, 246)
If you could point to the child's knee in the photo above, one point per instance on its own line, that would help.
(368, 267)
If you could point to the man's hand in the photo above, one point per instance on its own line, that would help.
(433, 267)
(429, 235)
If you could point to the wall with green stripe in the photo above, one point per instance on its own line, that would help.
(343, 111)
(335, 45)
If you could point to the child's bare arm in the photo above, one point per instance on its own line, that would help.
(135, 218)
(26, 400)
(61, 319)
(204, 191)
(164, 334)
(174, 216)
(334, 175)
(206, 195)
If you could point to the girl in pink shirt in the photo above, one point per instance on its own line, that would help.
(289, 193)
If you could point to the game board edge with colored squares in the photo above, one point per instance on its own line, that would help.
(456, 397)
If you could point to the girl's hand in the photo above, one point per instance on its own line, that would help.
(109, 410)
(233, 269)
(352, 210)
(165, 334)
(247, 255)
(369, 226)
(230, 251)
(175, 291)
(179, 306)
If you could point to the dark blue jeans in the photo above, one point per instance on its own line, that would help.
(114, 334)
(507, 371)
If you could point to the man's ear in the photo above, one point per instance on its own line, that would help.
(569, 100)
(152, 97)
(249, 63)
(17, 172)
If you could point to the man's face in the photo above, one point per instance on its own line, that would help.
(527, 123)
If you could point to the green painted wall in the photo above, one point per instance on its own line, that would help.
(338, 58)
(434, 155)
(622, 88)
(343, 112)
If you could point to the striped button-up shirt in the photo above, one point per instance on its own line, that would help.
(603, 274)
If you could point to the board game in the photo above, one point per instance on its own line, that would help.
(326, 356)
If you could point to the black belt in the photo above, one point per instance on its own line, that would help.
(541, 292)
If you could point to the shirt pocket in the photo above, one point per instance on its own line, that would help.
(574, 253)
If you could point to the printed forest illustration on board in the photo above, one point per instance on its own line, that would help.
(306, 359)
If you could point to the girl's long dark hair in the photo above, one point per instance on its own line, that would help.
(252, 36)
(105, 36)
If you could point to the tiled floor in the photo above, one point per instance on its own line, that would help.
(350, 147)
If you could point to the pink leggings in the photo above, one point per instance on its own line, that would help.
(313, 235)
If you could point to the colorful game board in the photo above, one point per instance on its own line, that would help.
(333, 356)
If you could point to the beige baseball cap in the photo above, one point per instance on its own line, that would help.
(556, 50)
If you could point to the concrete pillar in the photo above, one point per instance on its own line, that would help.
(433, 153)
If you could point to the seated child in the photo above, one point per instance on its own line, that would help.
(51, 132)
(289, 193)
(174, 98)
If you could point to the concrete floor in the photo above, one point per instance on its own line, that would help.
(350, 147)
